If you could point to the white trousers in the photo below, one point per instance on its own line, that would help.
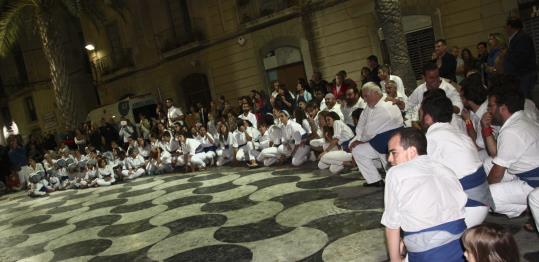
(533, 200)
(244, 152)
(224, 156)
(268, 156)
(364, 154)
(133, 173)
(474, 216)
(301, 155)
(208, 156)
(103, 182)
(334, 160)
(510, 197)
(198, 159)
(316, 143)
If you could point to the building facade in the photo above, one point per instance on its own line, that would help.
(197, 50)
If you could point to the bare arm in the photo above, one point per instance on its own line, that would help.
(490, 142)
(393, 243)
(496, 174)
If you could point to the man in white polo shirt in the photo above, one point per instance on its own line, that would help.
(174, 114)
(515, 170)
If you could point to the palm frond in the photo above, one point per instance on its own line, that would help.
(11, 23)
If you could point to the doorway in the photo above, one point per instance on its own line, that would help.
(286, 65)
(196, 90)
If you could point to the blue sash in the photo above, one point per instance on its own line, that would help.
(531, 177)
(379, 142)
(304, 136)
(345, 144)
(438, 243)
(352, 127)
(476, 188)
(210, 148)
(199, 149)
(241, 145)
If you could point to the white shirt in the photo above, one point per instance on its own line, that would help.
(458, 123)
(453, 149)
(420, 194)
(416, 97)
(144, 150)
(190, 146)
(253, 133)
(135, 162)
(275, 134)
(400, 97)
(173, 112)
(240, 139)
(171, 146)
(384, 116)
(348, 110)
(337, 109)
(306, 126)
(531, 110)
(251, 117)
(292, 132)
(205, 141)
(518, 144)
(342, 132)
(165, 157)
(398, 80)
(228, 141)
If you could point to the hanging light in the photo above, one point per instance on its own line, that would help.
(90, 47)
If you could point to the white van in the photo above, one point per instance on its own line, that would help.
(129, 108)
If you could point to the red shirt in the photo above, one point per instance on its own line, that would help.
(340, 93)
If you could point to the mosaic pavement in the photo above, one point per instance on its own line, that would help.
(227, 214)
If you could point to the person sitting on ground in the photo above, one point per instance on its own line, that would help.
(457, 152)
(377, 122)
(515, 165)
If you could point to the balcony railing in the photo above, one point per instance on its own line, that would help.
(118, 59)
(177, 37)
(251, 10)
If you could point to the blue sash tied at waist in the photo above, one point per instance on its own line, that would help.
(476, 188)
(438, 243)
(531, 177)
(379, 142)
(210, 148)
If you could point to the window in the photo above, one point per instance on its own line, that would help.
(179, 16)
(30, 108)
(420, 47)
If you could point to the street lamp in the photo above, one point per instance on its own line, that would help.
(90, 47)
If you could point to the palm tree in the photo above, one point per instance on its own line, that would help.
(389, 15)
(53, 20)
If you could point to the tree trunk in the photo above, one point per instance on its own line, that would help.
(71, 88)
(389, 15)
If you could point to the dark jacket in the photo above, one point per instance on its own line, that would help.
(449, 67)
(520, 56)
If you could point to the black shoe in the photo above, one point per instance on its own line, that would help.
(379, 183)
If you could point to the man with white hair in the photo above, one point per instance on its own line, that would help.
(376, 124)
(332, 105)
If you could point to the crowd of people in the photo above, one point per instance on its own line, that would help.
(464, 143)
